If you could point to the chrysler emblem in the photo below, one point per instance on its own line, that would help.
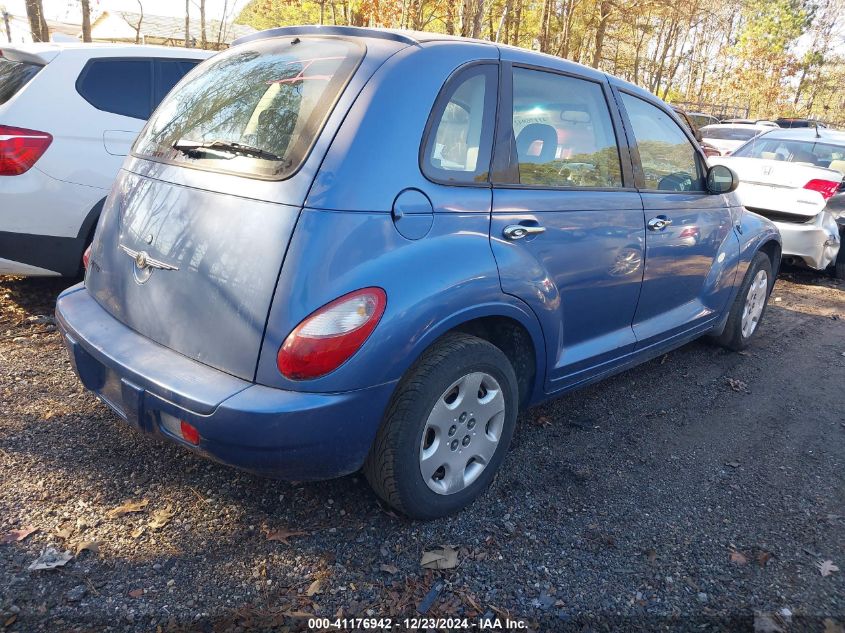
(144, 264)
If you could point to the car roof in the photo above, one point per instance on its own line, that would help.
(836, 137)
(737, 126)
(47, 51)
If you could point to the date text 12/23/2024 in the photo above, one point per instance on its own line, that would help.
(415, 624)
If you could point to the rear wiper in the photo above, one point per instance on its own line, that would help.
(191, 148)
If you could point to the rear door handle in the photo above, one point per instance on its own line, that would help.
(518, 231)
(659, 223)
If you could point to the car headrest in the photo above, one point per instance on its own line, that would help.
(575, 116)
(534, 133)
(838, 165)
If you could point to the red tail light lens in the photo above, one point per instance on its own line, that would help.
(189, 433)
(825, 187)
(20, 149)
(330, 336)
(86, 257)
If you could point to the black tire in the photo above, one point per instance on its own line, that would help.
(732, 337)
(393, 465)
(839, 264)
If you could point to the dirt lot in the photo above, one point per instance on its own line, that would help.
(686, 494)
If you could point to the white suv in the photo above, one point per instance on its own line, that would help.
(68, 116)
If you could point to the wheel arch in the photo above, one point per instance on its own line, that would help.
(511, 327)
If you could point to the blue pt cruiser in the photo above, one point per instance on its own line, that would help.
(335, 248)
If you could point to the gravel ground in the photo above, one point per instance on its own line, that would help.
(690, 493)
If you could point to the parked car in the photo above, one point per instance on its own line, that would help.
(726, 137)
(323, 254)
(707, 148)
(68, 116)
(700, 119)
(762, 122)
(795, 178)
(798, 122)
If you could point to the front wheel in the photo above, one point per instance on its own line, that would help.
(749, 306)
(446, 430)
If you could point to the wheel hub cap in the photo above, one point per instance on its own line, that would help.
(462, 433)
(755, 300)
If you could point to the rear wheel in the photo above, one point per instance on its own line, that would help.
(447, 429)
(749, 306)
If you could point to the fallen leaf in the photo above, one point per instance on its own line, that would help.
(17, 535)
(283, 535)
(651, 555)
(136, 593)
(738, 558)
(51, 558)
(732, 464)
(766, 623)
(832, 626)
(65, 533)
(14, 617)
(87, 546)
(737, 385)
(297, 614)
(127, 508)
(763, 557)
(161, 518)
(314, 588)
(390, 569)
(444, 558)
(826, 568)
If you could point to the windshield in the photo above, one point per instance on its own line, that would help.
(795, 151)
(254, 110)
(729, 133)
(14, 76)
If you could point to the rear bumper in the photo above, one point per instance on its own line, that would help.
(816, 242)
(271, 432)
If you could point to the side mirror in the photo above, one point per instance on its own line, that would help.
(721, 179)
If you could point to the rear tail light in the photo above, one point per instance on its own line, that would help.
(825, 187)
(20, 149)
(86, 257)
(189, 433)
(331, 335)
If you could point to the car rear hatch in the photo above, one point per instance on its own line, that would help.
(194, 233)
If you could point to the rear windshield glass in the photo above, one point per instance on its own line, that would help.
(254, 110)
(795, 151)
(14, 76)
(729, 133)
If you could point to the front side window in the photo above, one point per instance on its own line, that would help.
(119, 86)
(460, 138)
(669, 160)
(563, 132)
(253, 110)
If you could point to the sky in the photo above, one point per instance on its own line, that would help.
(69, 10)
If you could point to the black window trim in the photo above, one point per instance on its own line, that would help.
(307, 155)
(503, 165)
(639, 175)
(443, 98)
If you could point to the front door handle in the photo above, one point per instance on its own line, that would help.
(659, 223)
(518, 231)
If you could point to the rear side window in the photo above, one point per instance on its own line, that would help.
(729, 133)
(563, 132)
(460, 131)
(119, 86)
(168, 73)
(253, 110)
(14, 76)
(669, 160)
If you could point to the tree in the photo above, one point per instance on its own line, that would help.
(137, 27)
(86, 20)
(37, 22)
(203, 37)
(187, 23)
